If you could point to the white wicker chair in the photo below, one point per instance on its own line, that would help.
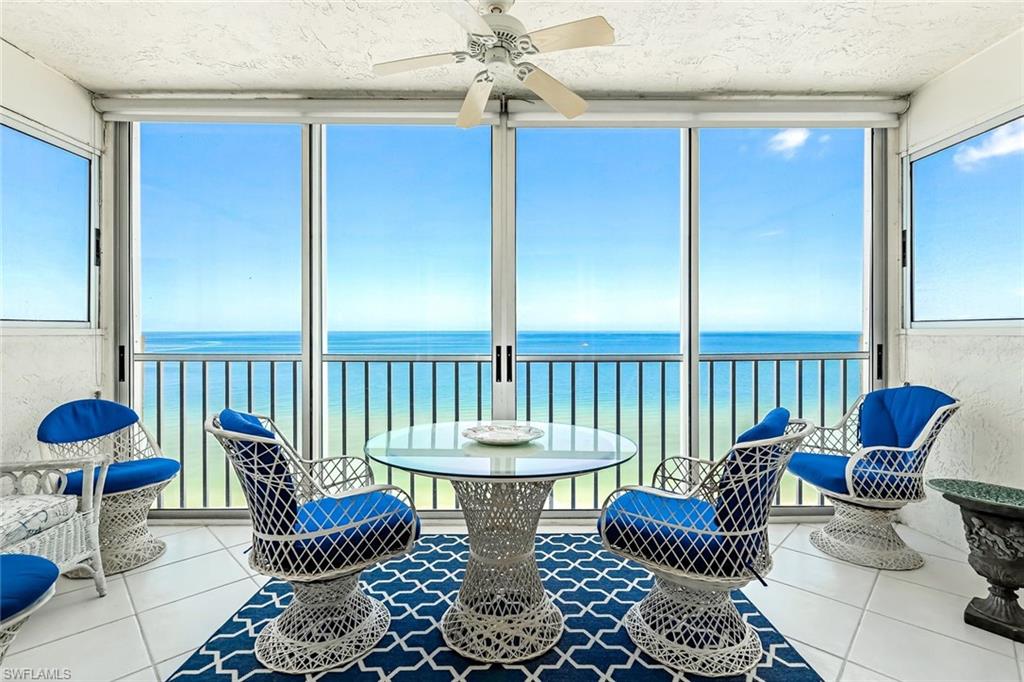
(702, 532)
(47, 523)
(316, 524)
(94, 428)
(26, 583)
(870, 465)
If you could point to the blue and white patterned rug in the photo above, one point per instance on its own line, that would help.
(592, 587)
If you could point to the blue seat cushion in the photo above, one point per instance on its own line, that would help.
(629, 523)
(896, 416)
(84, 419)
(122, 476)
(383, 525)
(24, 578)
(241, 422)
(826, 472)
(748, 478)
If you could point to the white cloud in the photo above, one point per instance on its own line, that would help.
(1008, 139)
(786, 142)
(824, 138)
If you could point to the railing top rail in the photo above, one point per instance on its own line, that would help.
(552, 357)
(824, 355)
(405, 357)
(218, 357)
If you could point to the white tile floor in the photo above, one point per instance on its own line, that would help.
(850, 623)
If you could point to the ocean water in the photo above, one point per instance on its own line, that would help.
(639, 400)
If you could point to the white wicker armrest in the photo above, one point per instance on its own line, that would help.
(843, 438)
(50, 477)
(688, 475)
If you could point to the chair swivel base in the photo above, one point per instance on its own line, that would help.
(125, 539)
(865, 536)
(327, 625)
(694, 630)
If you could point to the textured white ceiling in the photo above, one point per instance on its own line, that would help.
(664, 48)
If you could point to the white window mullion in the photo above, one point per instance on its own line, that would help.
(313, 341)
(503, 271)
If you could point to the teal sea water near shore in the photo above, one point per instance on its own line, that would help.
(639, 400)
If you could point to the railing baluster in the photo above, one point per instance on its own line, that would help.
(206, 483)
(640, 421)
(227, 465)
(756, 369)
(273, 391)
(618, 416)
(159, 417)
(181, 433)
(388, 406)
(596, 422)
(732, 399)
(344, 408)
(479, 390)
(295, 406)
(844, 386)
(551, 393)
(800, 413)
(663, 392)
(711, 410)
(821, 408)
(778, 383)
(248, 386)
(572, 422)
(529, 391)
(457, 389)
(433, 412)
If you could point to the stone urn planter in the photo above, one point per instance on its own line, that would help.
(994, 525)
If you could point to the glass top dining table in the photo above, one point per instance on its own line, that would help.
(441, 451)
(502, 613)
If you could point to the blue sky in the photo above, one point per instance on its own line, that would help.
(408, 213)
(44, 240)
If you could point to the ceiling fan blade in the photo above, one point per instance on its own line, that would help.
(583, 33)
(465, 13)
(413, 63)
(562, 99)
(472, 111)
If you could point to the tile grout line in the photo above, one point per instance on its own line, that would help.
(856, 630)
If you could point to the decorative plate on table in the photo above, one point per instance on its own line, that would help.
(503, 434)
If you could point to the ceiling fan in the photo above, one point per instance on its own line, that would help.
(499, 41)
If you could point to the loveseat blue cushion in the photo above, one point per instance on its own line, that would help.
(743, 500)
(826, 472)
(84, 419)
(629, 523)
(896, 416)
(383, 525)
(122, 476)
(24, 578)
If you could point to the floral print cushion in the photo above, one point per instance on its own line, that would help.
(23, 516)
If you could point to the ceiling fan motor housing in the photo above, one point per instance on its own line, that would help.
(511, 45)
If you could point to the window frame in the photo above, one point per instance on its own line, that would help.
(908, 263)
(51, 137)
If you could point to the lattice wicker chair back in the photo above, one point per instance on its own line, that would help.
(870, 465)
(138, 471)
(702, 530)
(316, 524)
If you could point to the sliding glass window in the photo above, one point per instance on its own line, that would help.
(968, 229)
(783, 224)
(598, 238)
(44, 231)
(220, 301)
(408, 273)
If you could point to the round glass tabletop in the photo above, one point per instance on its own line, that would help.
(440, 450)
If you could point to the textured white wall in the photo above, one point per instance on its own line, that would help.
(984, 368)
(43, 367)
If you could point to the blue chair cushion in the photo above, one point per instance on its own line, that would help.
(84, 419)
(273, 506)
(826, 472)
(240, 422)
(743, 501)
(122, 476)
(896, 416)
(702, 550)
(24, 578)
(382, 527)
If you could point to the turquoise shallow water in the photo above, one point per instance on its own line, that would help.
(639, 400)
